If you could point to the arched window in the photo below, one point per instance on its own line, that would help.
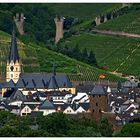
(96, 104)
(11, 68)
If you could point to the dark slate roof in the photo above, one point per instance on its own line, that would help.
(13, 56)
(40, 94)
(9, 84)
(98, 90)
(17, 95)
(53, 83)
(85, 88)
(57, 93)
(85, 105)
(5, 106)
(41, 80)
(129, 84)
(74, 106)
(46, 105)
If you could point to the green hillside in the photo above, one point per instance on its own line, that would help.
(39, 59)
(83, 10)
(129, 22)
(114, 53)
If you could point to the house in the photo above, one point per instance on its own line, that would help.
(46, 107)
(69, 110)
(26, 109)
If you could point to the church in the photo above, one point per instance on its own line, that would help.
(31, 82)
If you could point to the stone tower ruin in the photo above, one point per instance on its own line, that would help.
(19, 21)
(98, 20)
(59, 28)
(105, 18)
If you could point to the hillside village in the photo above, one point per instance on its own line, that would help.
(30, 94)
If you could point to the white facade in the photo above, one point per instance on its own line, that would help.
(25, 111)
(13, 71)
(69, 110)
(47, 111)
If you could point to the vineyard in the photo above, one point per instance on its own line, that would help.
(83, 10)
(39, 59)
(129, 22)
(114, 53)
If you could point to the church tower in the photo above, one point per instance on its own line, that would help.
(13, 68)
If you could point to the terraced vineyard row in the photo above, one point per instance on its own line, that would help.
(127, 23)
(110, 51)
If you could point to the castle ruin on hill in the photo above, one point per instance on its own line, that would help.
(59, 28)
(19, 21)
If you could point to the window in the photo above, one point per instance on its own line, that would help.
(93, 110)
(11, 68)
(96, 104)
(27, 109)
(16, 69)
(99, 95)
(99, 110)
(23, 114)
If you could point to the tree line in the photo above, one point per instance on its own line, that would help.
(76, 53)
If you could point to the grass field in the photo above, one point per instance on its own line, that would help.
(128, 23)
(112, 52)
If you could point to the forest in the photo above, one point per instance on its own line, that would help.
(60, 125)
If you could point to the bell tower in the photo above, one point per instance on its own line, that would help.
(13, 68)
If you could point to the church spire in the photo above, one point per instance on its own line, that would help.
(13, 56)
(54, 69)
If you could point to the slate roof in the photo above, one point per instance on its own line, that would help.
(85, 106)
(98, 90)
(17, 95)
(40, 94)
(85, 88)
(129, 84)
(13, 56)
(43, 80)
(9, 84)
(53, 83)
(46, 105)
